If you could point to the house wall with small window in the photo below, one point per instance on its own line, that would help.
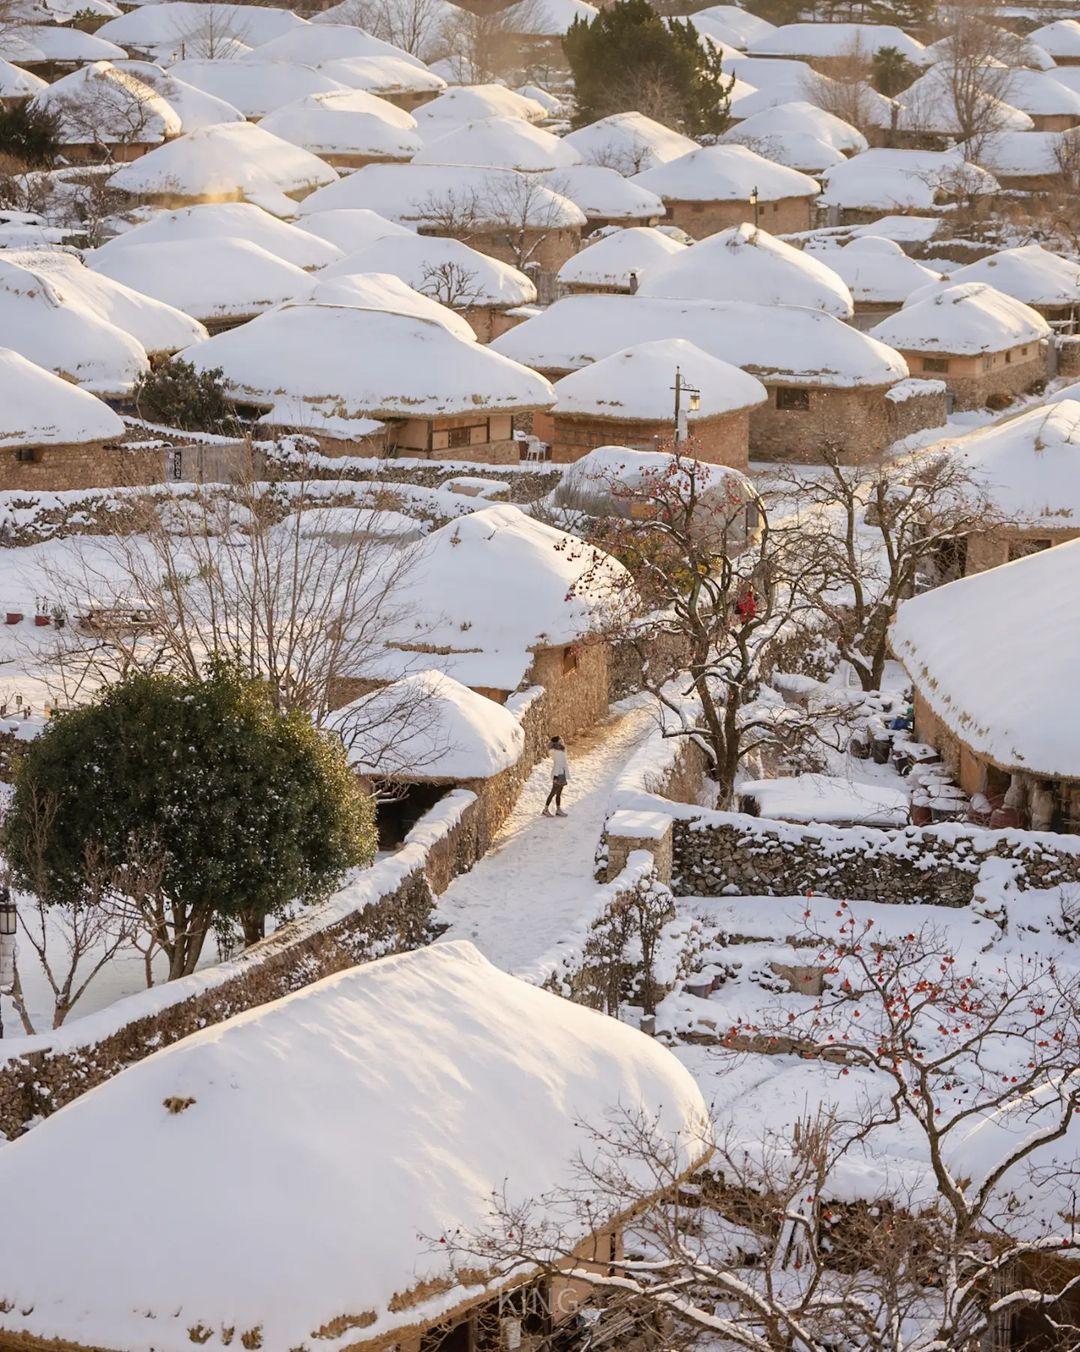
(799, 422)
(701, 219)
(484, 437)
(92, 465)
(986, 377)
(577, 680)
(989, 549)
(723, 440)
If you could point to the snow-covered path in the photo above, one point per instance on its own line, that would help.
(531, 887)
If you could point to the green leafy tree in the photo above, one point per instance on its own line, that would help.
(630, 59)
(192, 802)
(29, 135)
(891, 71)
(177, 395)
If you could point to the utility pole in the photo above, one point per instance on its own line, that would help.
(754, 204)
(693, 403)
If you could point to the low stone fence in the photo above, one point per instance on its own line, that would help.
(727, 853)
(386, 910)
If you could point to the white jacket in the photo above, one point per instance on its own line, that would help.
(559, 767)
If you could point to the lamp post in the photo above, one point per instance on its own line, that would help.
(693, 403)
(754, 204)
(8, 925)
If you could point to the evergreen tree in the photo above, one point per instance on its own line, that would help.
(891, 72)
(629, 59)
(177, 395)
(29, 135)
(194, 800)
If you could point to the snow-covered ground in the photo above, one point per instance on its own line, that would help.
(537, 880)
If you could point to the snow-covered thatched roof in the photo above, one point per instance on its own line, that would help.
(443, 268)
(962, 319)
(467, 103)
(725, 174)
(227, 220)
(1061, 39)
(837, 39)
(995, 656)
(497, 143)
(34, 43)
(786, 344)
(385, 75)
(1028, 273)
(16, 83)
(605, 193)
(613, 257)
(347, 122)
(800, 150)
(902, 180)
(383, 291)
(349, 229)
(634, 385)
(187, 27)
(428, 727)
(877, 271)
(939, 102)
(802, 117)
(738, 24)
(1041, 94)
(194, 107)
(211, 279)
(1022, 154)
(233, 162)
(317, 1148)
(748, 264)
(629, 142)
(103, 103)
(37, 408)
(366, 364)
(255, 87)
(315, 44)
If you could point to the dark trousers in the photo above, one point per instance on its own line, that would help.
(555, 796)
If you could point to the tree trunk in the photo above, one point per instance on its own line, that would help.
(253, 922)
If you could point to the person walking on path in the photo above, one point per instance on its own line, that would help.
(560, 777)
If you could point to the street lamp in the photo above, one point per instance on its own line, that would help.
(692, 405)
(754, 204)
(8, 924)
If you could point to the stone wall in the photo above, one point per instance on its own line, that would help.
(913, 405)
(577, 685)
(855, 421)
(989, 549)
(1068, 356)
(387, 910)
(722, 440)
(92, 465)
(726, 853)
(699, 219)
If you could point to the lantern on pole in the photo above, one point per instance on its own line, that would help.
(8, 925)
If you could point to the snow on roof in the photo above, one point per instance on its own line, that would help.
(255, 87)
(211, 279)
(548, 17)
(905, 229)
(838, 39)
(604, 474)
(386, 75)
(629, 142)
(384, 1101)
(194, 107)
(1040, 94)
(725, 174)
(347, 122)
(366, 364)
(349, 229)
(236, 161)
(224, 220)
(384, 291)
(1028, 466)
(467, 103)
(611, 260)
(801, 116)
(16, 83)
(894, 180)
(930, 105)
(498, 584)
(779, 343)
(67, 338)
(66, 46)
(741, 23)
(1022, 154)
(1028, 273)
(104, 102)
(187, 27)
(962, 320)
(763, 73)
(314, 44)
(995, 656)
(604, 193)
(748, 264)
(828, 798)
(499, 143)
(552, 106)
(428, 727)
(37, 408)
(1060, 39)
(634, 385)
(877, 271)
(158, 327)
(411, 193)
(438, 267)
(794, 149)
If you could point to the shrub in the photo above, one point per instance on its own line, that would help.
(177, 395)
(29, 135)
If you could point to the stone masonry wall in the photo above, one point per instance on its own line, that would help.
(717, 854)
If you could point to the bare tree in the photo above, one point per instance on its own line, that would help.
(847, 91)
(767, 1249)
(491, 45)
(451, 284)
(878, 532)
(416, 26)
(505, 210)
(706, 609)
(217, 34)
(110, 109)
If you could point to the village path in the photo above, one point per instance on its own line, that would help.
(535, 882)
